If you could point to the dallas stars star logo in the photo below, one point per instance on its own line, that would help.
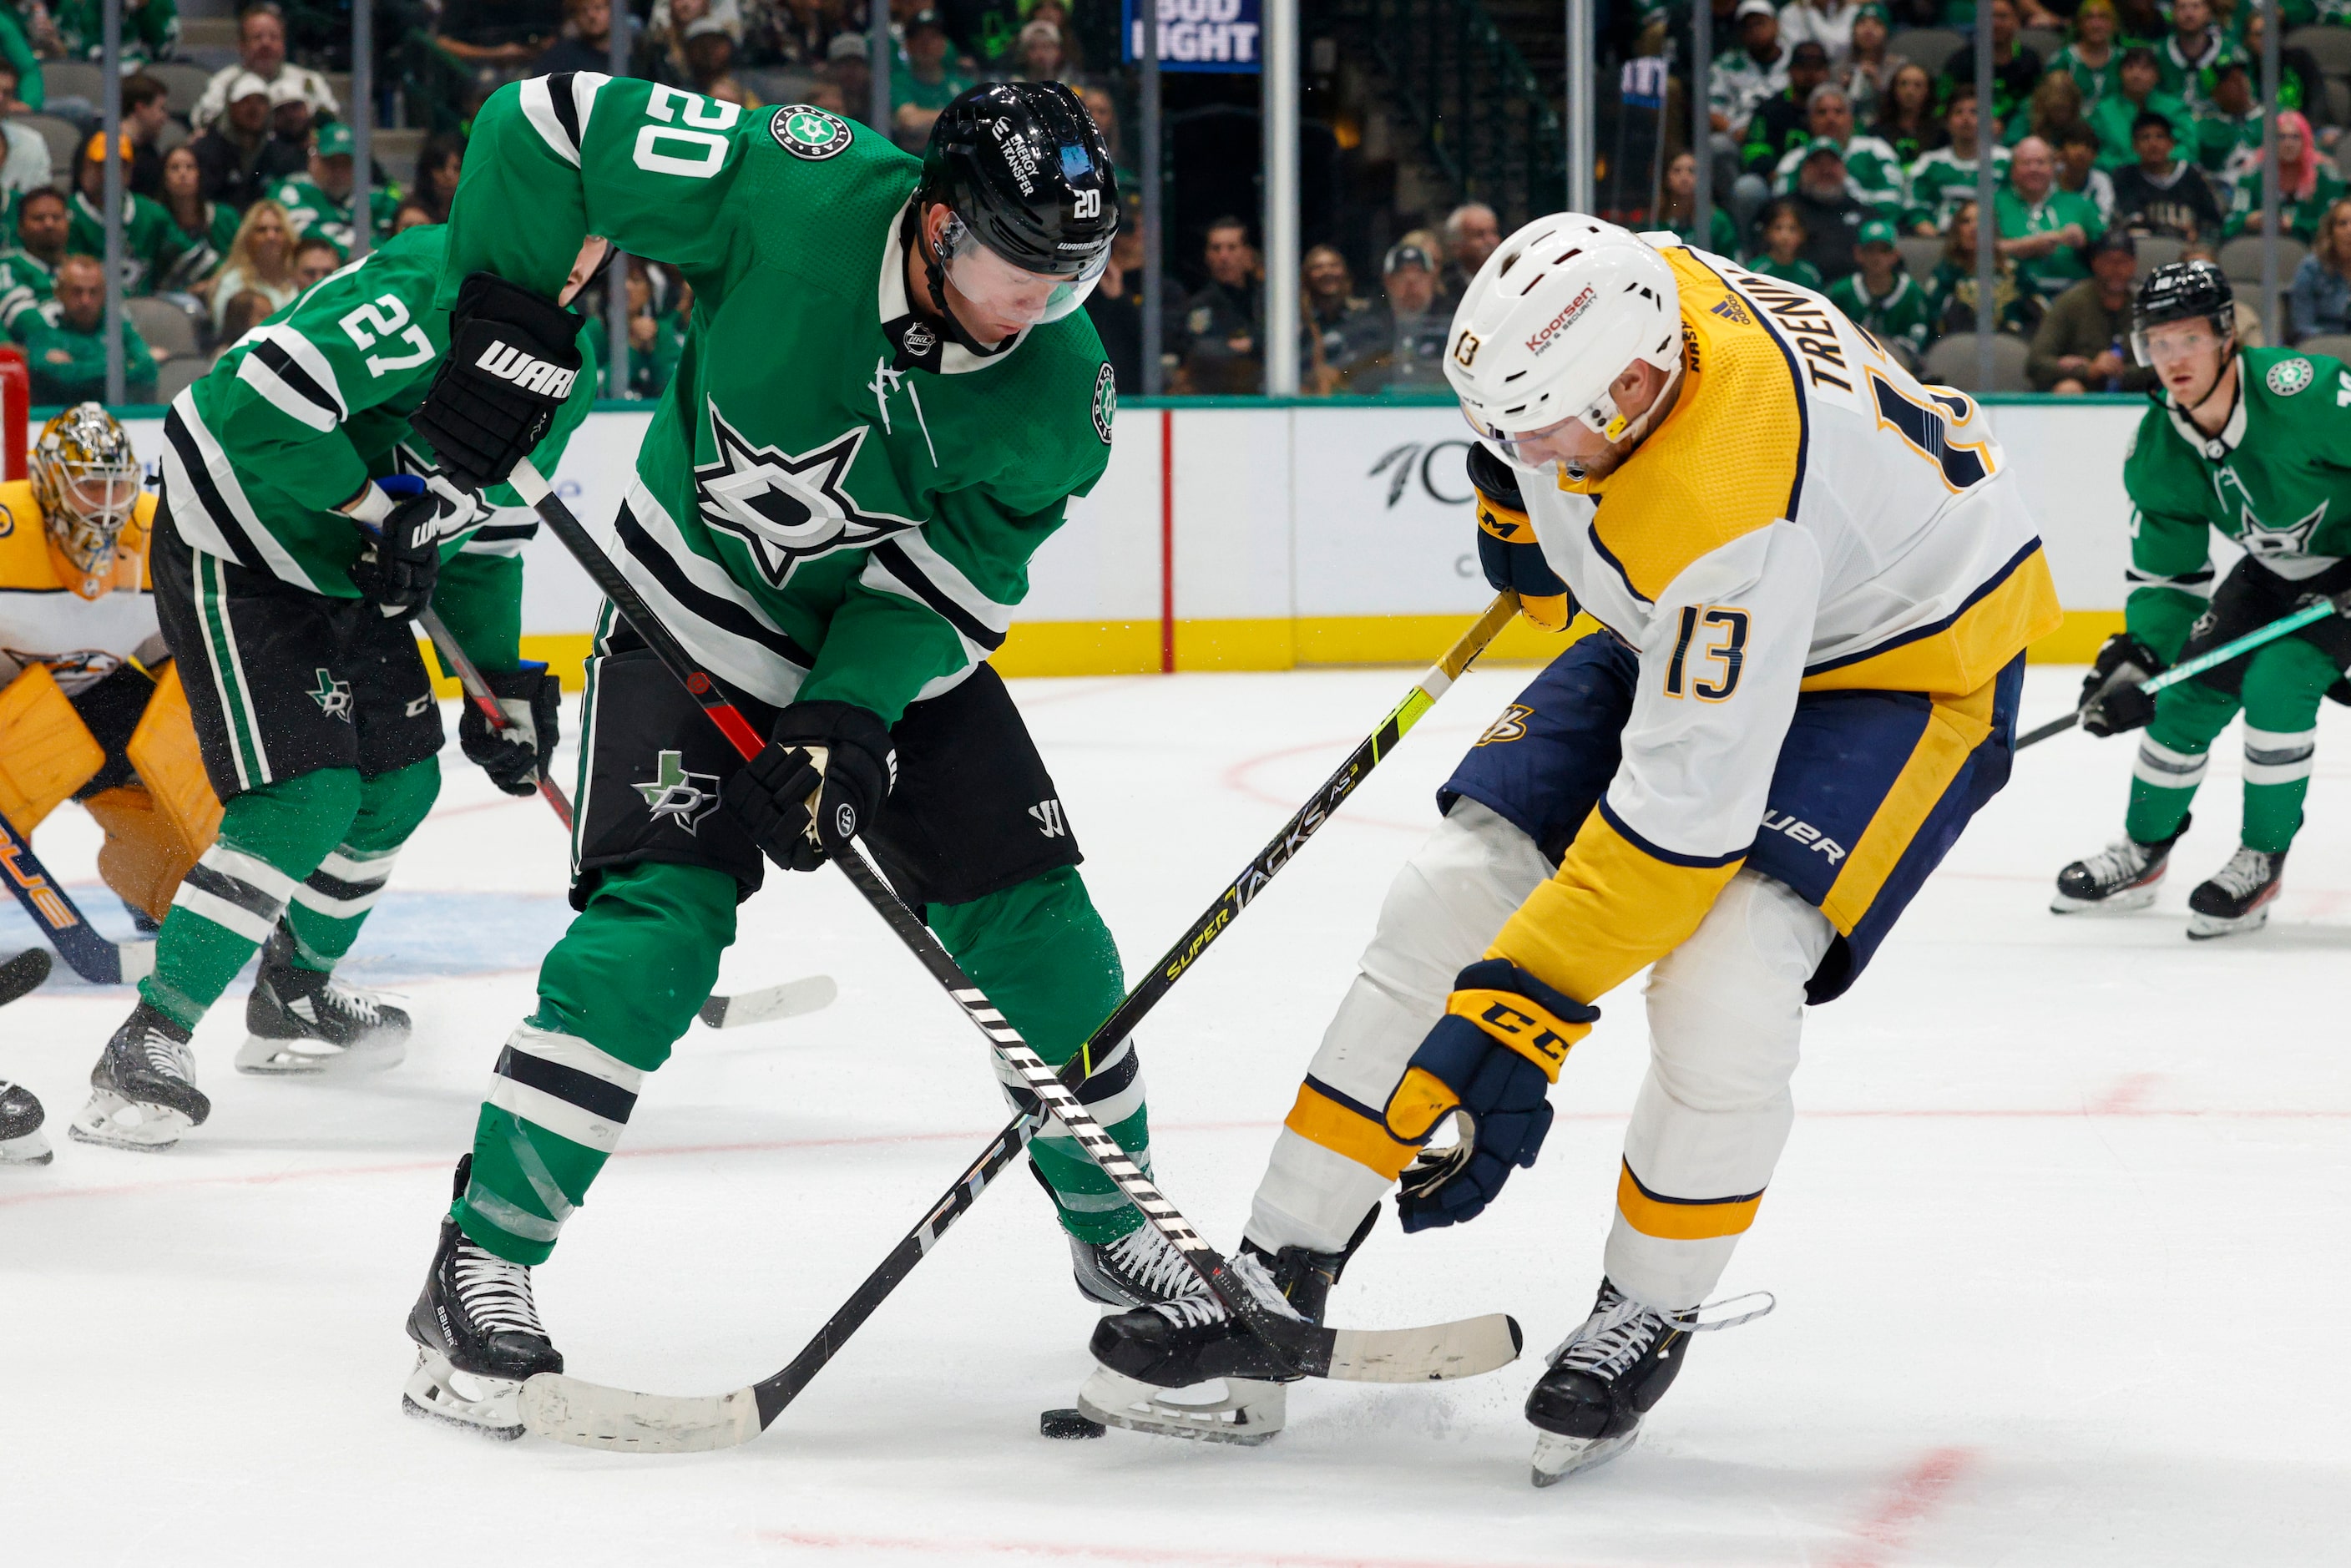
(684, 798)
(787, 508)
(333, 696)
(2258, 537)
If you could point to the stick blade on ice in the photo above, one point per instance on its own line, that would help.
(23, 973)
(1439, 1352)
(789, 999)
(590, 1415)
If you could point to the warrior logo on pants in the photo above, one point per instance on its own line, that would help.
(684, 798)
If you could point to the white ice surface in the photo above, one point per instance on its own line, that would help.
(2059, 1242)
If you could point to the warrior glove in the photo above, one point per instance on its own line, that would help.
(1507, 548)
(817, 784)
(406, 519)
(2112, 700)
(1488, 1062)
(513, 756)
(512, 356)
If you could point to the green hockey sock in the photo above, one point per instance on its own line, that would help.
(2172, 756)
(2283, 690)
(270, 838)
(1046, 960)
(614, 994)
(333, 901)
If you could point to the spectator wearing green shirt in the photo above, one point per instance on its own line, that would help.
(2306, 186)
(320, 205)
(2043, 228)
(152, 242)
(2091, 58)
(1679, 211)
(150, 30)
(2229, 133)
(18, 51)
(67, 348)
(2192, 52)
(925, 81)
(2083, 344)
(1872, 172)
(28, 269)
(1883, 297)
(1945, 177)
(2141, 92)
(1783, 242)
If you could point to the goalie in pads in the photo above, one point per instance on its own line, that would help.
(1816, 582)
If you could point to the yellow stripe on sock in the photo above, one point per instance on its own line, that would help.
(1319, 1119)
(1682, 1218)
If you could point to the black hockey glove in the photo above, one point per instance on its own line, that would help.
(836, 755)
(401, 560)
(2112, 701)
(1490, 1058)
(532, 700)
(512, 360)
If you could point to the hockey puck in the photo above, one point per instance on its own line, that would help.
(1069, 1424)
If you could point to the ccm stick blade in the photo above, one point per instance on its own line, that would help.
(789, 999)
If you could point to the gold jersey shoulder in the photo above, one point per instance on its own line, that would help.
(1725, 462)
(28, 564)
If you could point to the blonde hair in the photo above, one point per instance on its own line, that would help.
(241, 259)
(2329, 257)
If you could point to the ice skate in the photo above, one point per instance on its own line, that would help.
(2123, 877)
(477, 1335)
(143, 1090)
(1605, 1376)
(2237, 897)
(21, 1141)
(1141, 1268)
(302, 1021)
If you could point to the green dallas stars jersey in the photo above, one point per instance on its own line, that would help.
(152, 242)
(26, 283)
(1902, 315)
(2277, 480)
(831, 502)
(311, 211)
(1941, 181)
(307, 407)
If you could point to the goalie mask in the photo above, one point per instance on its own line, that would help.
(87, 480)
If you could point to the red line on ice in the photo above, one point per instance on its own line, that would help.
(1919, 1492)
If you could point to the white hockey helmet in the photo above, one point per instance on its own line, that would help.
(1557, 313)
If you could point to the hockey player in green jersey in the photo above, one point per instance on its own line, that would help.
(2256, 443)
(885, 403)
(298, 529)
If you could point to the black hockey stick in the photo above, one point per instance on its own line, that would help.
(99, 960)
(595, 1416)
(23, 973)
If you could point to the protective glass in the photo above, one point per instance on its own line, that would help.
(1011, 294)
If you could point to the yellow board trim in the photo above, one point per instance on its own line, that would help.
(1675, 1221)
(1321, 1120)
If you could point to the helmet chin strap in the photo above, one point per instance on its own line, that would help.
(934, 271)
(1623, 431)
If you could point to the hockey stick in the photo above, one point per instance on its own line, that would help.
(788, 1000)
(1398, 1354)
(593, 1417)
(97, 959)
(477, 691)
(2284, 626)
(23, 973)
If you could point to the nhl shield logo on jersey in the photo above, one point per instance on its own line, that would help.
(684, 798)
(807, 131)
(333, 696)
(787, 508)
(918, 339)
(1105, 403)
(2288, 377)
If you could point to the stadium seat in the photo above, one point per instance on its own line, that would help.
(2155, 251)
(2240, 258)
(1952, 364)
(1931, 47)
(166, 327)
(2336, 343)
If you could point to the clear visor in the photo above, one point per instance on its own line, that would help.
(1562, 444)
(1009, 299)
(2175, 341)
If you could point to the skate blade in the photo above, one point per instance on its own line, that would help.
(1558, 1457)
(102, 1122)
(488, 1407)
(2122, 903)
(1250, 1412)
(31, 1149)
(285, 1059)
(2204, 928)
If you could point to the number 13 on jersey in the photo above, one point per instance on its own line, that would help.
(1717, 635)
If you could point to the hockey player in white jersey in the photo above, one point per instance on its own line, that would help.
(1816, 582)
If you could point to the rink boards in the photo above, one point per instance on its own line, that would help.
(1250, 534)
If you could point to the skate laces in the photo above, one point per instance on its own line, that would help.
(172, 1057)
(1203, 1308)
(495, 1292)
(2119, 861)
(2247, 872)
(1621, 1330)
(1156, 1265)
(353, 1004)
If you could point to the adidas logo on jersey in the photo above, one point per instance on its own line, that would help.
(530, 374)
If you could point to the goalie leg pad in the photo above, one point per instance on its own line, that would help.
(45, 751)
(171, 766)
(144, 856)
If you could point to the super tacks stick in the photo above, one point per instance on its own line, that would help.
(595, 1416)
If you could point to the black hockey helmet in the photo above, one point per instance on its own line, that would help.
(1025, 172)
(2183, 291)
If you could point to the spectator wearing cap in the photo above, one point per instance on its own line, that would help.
(2044, 230)
(2016, 68)
(320, 206)
(28, 268)
(1872, 171)
(1881, 296)
(1867, 69)
(1040, 53)
(846, 67)
(1828, 23)
(1740, 79)
(2192, 53)
(144, 115)
(239, 161)
(152, 242)
(2081, 343)
(2138, 92)
(710, 60)
(66, 347)
(261, 51)
(1419, 321)
(1472, 233)
(1833, 213)
(1344, 334)
(26, 165)
(926, 81)
(2163, 195)
(1782, 122)
(1223, 320)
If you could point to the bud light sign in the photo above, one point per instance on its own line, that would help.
(1200, 35)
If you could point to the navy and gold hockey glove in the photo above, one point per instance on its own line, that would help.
(1491, 1061)
(1507, 547)
(830, 760)
(2112, 700)
(531, 700)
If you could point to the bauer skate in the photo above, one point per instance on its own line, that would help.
(302, 1021)
(1605, 1376)
(478, 1337)
(2123, 877)
(143, 1090)
(21, 1142)
(2238, 897)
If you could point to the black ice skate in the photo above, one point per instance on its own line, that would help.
(2238, 897)
(143, 1090)
(1141, 1268)
(21, 1142)
(302, 1021)
(477, 1335)
(2121, 876)
(1605, 1376)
